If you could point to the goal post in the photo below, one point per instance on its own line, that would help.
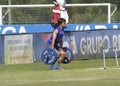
(0, 15)
(115, 55)
(43, 11)
(97, 4)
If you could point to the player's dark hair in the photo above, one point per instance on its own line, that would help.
(61, 20)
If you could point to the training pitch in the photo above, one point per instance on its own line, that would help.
(76, 73)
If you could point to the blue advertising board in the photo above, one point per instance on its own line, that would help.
(84, 44)
(90, 44)
(86, 40)
(36, 28)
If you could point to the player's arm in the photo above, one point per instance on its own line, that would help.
(54, 37)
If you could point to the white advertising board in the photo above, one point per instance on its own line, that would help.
(18, 49)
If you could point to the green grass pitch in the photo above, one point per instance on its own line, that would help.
(76, 73)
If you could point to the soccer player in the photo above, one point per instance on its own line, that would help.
(58, 12)
(55, 42)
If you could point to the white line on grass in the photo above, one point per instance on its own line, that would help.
(78, 79)
(101, 68)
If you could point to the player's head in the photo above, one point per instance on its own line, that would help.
(62, 22)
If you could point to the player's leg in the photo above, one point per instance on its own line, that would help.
(60, 59)
(51, 65)
(61, 56)
(64, 14)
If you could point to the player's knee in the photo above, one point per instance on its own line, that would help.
(62, 53)
(60, 59)
(61, 56)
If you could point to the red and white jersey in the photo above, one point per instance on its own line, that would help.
(59, 11)
(55, 13)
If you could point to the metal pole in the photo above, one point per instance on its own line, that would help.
(117, 63)
(109, 13)
(104, 61)
(0, 15)
(9, 13)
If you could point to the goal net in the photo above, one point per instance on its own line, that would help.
(41, 13)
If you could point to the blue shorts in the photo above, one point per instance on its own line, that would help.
(57, 47)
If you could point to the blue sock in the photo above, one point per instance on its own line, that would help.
(51, 66)
(58, 66)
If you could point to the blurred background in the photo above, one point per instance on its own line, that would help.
(42, 15)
